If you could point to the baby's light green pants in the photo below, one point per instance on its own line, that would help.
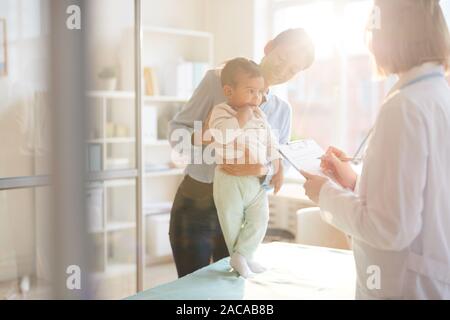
(243, 210)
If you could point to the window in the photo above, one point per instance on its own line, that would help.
(336, 101)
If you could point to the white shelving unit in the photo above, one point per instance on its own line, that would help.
(113, 140)
(161, 177)
(130, 95)
(165, 173)
(157, 143)
(105, 97)
(185, 33)
(178, 32)
(173, 44)
(111, 216)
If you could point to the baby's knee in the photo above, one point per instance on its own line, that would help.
(260, 219)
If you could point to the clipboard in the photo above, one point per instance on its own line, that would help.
(303, 155)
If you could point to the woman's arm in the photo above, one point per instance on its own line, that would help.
(197, 109)
(387, 212)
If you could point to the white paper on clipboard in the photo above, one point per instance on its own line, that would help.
(303, 155)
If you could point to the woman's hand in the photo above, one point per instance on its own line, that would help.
(244, 114)
(247, 168)
(340, 171)
(278, 178)
(313, 185)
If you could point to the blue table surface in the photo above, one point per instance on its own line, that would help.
(297, 272)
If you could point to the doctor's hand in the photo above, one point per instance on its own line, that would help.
(340, 171)
(313, 185)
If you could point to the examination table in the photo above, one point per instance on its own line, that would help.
(294, 272)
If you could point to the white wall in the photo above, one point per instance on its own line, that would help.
(189, 14)
(262, 26)
(240, 27)
(111, 28)
(232, 22)
(106, 25)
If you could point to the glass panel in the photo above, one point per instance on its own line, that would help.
(445, 5)
(159, 193)
(112, 228)
(176, 53)
(24, 244)
(111, 146)
(111, 102)
(24, 103)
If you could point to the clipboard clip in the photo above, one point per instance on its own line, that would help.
(298, 144)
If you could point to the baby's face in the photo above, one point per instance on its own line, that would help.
(248, 91)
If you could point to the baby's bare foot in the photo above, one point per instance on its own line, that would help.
(256, 267)
(239, 264)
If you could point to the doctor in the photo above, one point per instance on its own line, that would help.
(398, 211)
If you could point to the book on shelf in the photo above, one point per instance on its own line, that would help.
(200, 69)
(150, 123)
(117, 130)
(94, 202)
(151, 82)
(94, 157)
(189, 75)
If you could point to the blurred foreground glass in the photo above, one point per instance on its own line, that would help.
(24, 100)
(112, 229)
(25, 251)
(25, 126)
(111, 146)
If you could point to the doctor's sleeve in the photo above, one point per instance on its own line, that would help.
(387, 212)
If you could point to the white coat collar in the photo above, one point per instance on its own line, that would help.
(416, 72)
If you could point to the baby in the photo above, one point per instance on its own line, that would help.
(239, 124)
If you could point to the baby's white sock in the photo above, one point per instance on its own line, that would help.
(239, 264)
(255, 266)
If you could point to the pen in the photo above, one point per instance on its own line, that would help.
(355, 159)
(346, 159)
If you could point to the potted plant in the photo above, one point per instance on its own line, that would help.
(108, 78)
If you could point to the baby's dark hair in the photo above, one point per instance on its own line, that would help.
(232, 67)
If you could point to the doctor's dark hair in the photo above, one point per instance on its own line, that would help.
(411, 32)
(233, 67)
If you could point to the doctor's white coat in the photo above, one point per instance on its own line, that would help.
(399, 214)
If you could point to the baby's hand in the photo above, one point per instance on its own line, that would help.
(247, 111)
(244, 115)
